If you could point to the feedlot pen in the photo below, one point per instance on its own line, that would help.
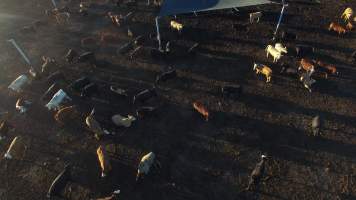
(200, 159)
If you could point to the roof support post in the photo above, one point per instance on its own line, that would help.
(158, 35)
(280, 19)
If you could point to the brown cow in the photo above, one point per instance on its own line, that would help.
(198, 106)
(306, 65)
(337, 28)
(66, 114)
(331, 69)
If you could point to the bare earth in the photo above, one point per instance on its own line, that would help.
(200, 160)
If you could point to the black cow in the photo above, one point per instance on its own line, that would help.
(125, 48)
(87, 57)
(316, 125)
(55, 77)
(229, 91)
(59, 183)
(79, 84)
(50, 91)
(145, 95)
(288, 36)
(257, 173)
(304, 50)
(71, 55)
(288, 70)
(145, 111)
(165, 76)
(89, 90)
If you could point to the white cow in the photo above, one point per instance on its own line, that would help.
(274, 52)
(255, 16)
(280, 48)
(119, 120)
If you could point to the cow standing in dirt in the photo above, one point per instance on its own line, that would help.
(257, 174)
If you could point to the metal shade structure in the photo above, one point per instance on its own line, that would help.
(174, 7)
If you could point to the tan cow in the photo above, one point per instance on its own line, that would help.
(198, 106)
(337, 28)
(104, 161)
(331, 69)
(259, 68)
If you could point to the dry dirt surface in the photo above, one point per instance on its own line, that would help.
(207, 160)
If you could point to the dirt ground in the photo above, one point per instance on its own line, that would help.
(200, 160)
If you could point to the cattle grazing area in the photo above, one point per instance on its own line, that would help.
(221, 112)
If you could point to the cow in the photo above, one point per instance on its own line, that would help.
(304, 50)
(119, 91)
(22, 105)
(337, 28)
(90, 90)
(50, 91)
(4, 129)
(349, 26)
(87, 57)
(279, 47)
(144, 95)
(88, 42)
(114, 196)
(176, 25)
(316, 125)
(165, 76)
(109, 38)
(231, 91)
(104, 161)
(66, 114)
(306, 65)
(307, 80)
(145, 165)
(48, 65)
(288, 70)
(55, 77)
(16, 149)
(330, 69)
(265, 70)
(274, 52)
(71, 55)
(94, 126)
(59, 183)
(125, 48)
(255, 16)
(200, 108)
(126, 122)
(257, 173)
(353, 56)
(145, 111)
(115, 19)
(347, 14)
(79, 84)
(288, 36)
(62, 18)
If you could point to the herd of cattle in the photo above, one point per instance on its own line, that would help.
(60, 104)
